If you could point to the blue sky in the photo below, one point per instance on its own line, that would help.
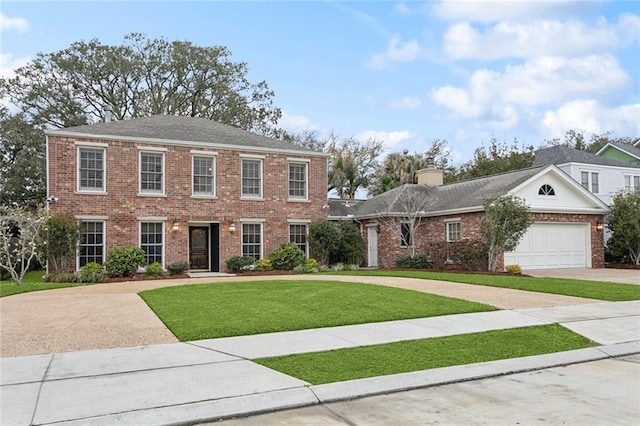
(404, 72)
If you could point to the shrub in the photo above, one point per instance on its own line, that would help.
(263, 265)
(310, 266)
(513, 269)
(351, 267)
(286, 257)
(324, 240)
(62, 235)
(92, 272)
(239, 263)
(155, 269)
(471, 255)
(124, 261)
(60, 277)
(337, 267)
(177, 268)
(416, 262)
(351, 248)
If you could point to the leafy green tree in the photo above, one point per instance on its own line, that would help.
(577, 138)
(351, 250)
(324, 240)
(497, 158)
(137, 78)
(400, 168)
(624, 223)
(22, 161)
(505, 222)
(61, 237)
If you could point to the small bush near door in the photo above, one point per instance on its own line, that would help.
(177, 268)
(286, 257)
(124, 261)
(239, 263)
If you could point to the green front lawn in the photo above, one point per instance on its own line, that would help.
(32, 282)
(414, 355)
(195, 312)
(613, 292)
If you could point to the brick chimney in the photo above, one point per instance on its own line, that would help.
(430, 176)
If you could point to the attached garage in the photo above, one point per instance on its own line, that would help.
(553, 245)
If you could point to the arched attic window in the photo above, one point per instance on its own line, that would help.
(546, 190)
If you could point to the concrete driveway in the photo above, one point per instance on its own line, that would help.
(629, 276)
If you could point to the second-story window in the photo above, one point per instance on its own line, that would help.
(632, 182)
(91, 169)
(590, 181)
(252, 178)
(298, 181)
(152, 173)
(203, 176)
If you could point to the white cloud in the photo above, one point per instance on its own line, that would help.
(397, 52)
(543, 81)
(495, 11)
(390, 139)
(408, 102)
(8, 64)
(296, 123)
(534, 39)
(590, 116)
(8, 23)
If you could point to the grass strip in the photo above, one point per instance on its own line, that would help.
(414, 355)
(32, 282)
(195, 312)
(600, 290)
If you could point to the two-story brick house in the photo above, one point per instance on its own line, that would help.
(183, 189)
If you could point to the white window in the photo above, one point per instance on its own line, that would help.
(406, 237)
(298, 181)
(204, 176)
(152, 241)
(251, 178)
(298, 236)
(151, 172)
(91, 244)
(252, 240)
(91, 169)
(632, 182)
(590, 181)
(453, 231)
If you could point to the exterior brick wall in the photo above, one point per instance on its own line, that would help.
(122, 206)
(433, 230)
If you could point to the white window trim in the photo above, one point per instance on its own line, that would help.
(214, 166)
(306, 225)
(631, 185)
(260, 159)
(164, 235)
(253, 222)
(102, 219)
(590, 173)
(96, 146)
(164, 172)
(411, 236)
(446, 229)
(306, 180)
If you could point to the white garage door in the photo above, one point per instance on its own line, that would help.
(552, 245)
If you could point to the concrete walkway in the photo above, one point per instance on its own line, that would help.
(211, 379)
(112, 315)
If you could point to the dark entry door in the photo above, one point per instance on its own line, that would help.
(199, 247)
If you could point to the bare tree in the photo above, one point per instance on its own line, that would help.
(406, 209)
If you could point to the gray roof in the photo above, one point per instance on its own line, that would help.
(630, 149)
(466, 196)
(172, 129)
(561, 154)
(343, 208)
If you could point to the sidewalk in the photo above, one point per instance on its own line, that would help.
(211, 379)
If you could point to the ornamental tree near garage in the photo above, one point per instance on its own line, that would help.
(506, 220)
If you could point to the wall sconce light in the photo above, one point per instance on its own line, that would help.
(232, 227)
(599, 226)
(176, 226)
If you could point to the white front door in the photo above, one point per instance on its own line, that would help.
(372, 246)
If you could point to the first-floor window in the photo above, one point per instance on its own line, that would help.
(151, 234)
(91, 246)
(453, 231)
(406, 239)
(252, 240)
(298, 236)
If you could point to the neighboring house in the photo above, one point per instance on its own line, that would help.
(603, 176)
(183, 189)
(567, 229)
(625, 153)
